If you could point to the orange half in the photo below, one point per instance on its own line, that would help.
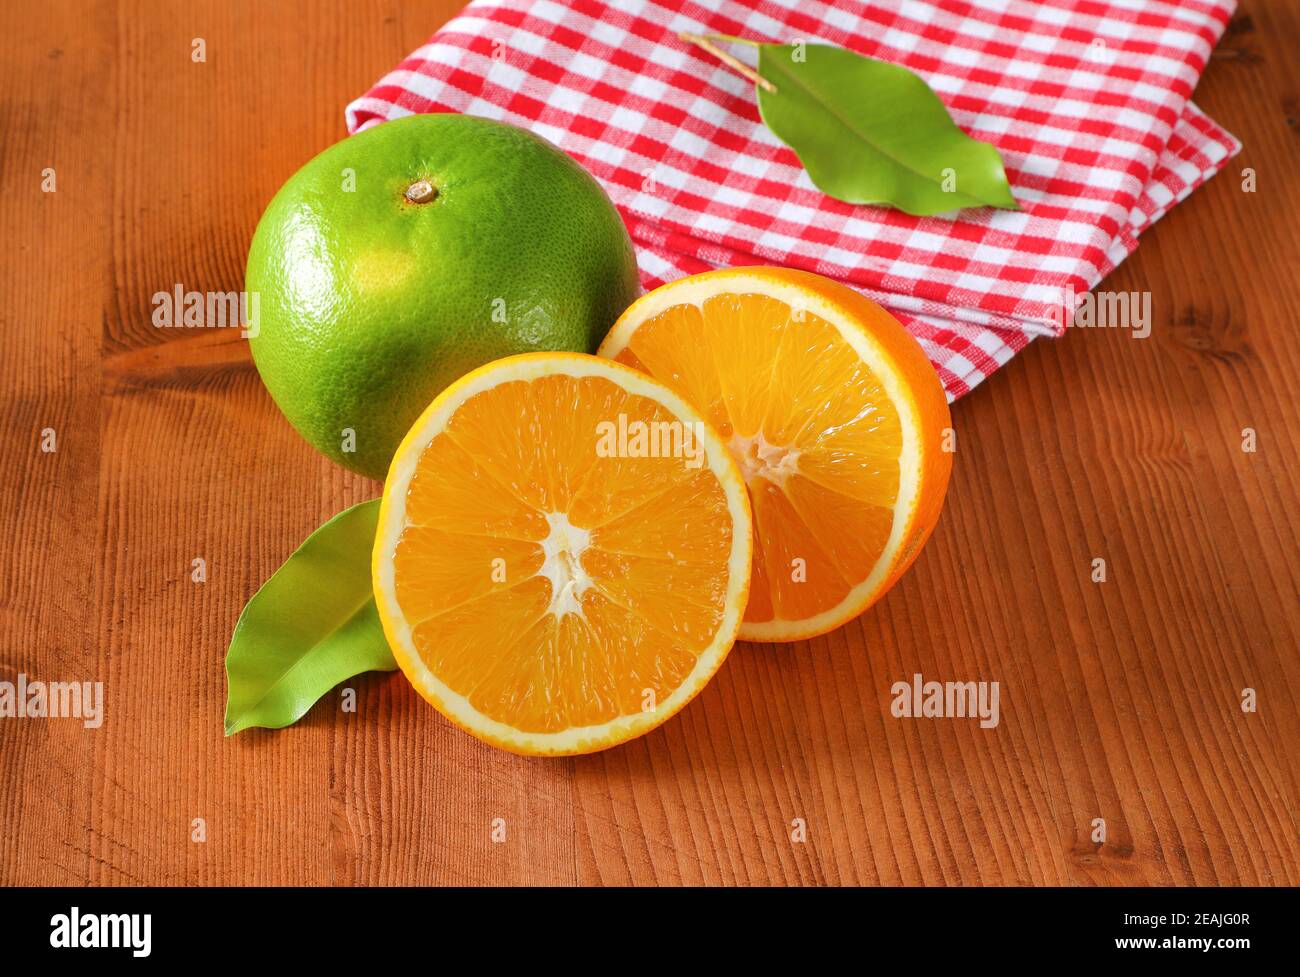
(835, 416)
(563, 553)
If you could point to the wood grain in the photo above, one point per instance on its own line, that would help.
(1120, 700)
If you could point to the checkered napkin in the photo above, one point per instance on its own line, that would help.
(1087, 101)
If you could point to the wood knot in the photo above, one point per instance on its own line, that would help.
(1216, 335)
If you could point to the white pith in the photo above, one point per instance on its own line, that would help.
(758, 458)
(562, 564)
(696, 291)
(567, 540)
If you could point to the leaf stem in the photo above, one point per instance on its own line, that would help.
(735, 64)
(733, 39)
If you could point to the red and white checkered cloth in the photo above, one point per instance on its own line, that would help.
(1087, 101)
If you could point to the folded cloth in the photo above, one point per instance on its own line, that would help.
(966, 353)
(1087, 101)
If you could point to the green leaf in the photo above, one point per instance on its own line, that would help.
(309, 627)
(871, 132)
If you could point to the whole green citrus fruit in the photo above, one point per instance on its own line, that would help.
(406, 255)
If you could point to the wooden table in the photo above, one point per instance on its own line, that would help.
(1120, 700)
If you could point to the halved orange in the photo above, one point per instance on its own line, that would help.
(835, 416)
(563, 553)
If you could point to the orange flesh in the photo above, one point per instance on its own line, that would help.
(551, 586)
(816, 438)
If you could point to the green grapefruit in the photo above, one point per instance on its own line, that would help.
(407, 255)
